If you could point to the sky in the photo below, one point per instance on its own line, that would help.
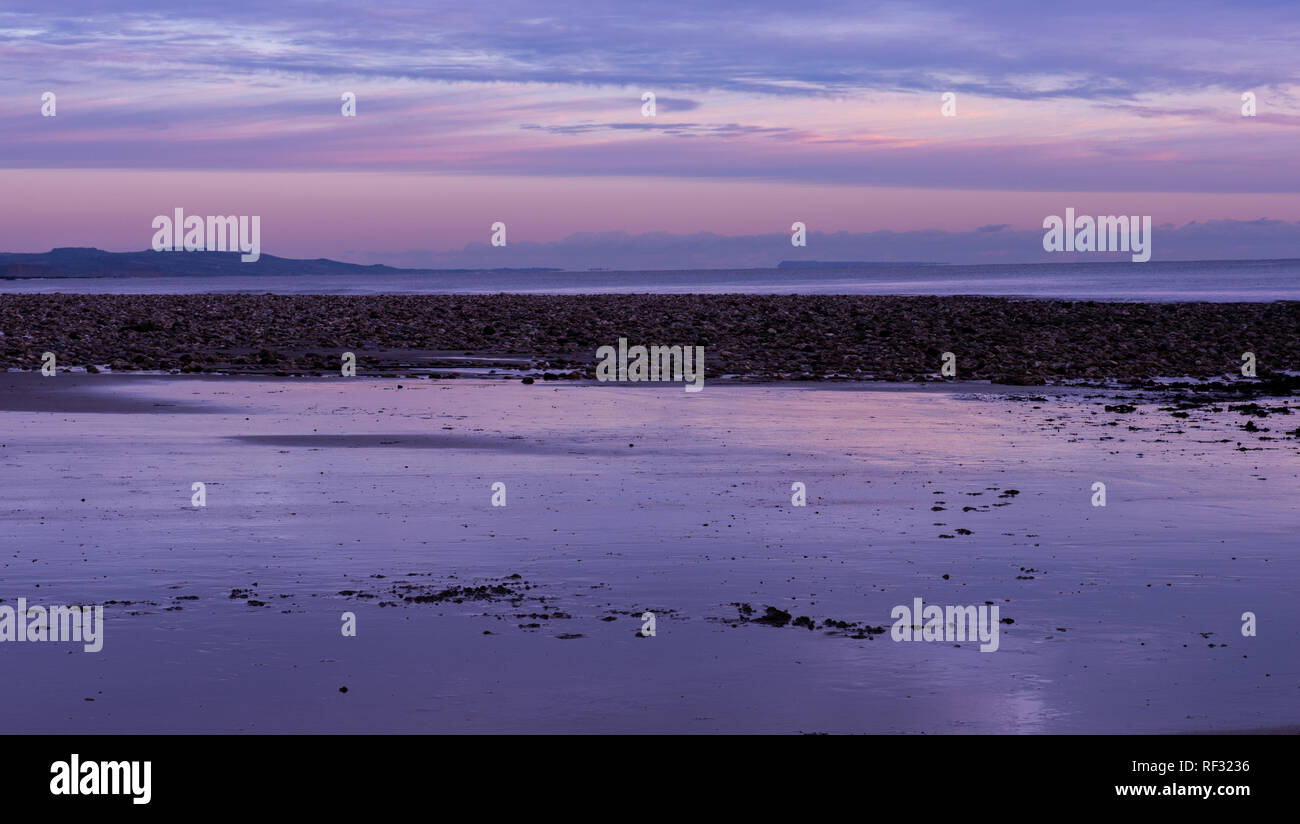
(766, 113)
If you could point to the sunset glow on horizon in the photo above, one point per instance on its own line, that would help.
(827, 114)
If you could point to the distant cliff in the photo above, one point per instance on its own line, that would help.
(85, 262)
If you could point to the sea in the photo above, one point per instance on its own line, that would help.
(1164, 281)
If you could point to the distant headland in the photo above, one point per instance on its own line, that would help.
(88, 262)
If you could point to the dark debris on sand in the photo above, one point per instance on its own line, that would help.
(777, 617)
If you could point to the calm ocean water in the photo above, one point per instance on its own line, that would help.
(1219, 281)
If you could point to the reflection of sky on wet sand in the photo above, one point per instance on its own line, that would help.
(315, 486)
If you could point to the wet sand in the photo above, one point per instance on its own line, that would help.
(332, 495)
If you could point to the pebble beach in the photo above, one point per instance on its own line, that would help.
(791, 337)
